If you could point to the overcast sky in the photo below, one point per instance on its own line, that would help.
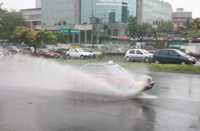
(189, 5)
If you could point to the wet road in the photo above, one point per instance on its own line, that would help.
(176, 107)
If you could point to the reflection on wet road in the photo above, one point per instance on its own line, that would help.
(177, 107)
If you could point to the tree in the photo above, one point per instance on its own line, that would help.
(8, 22)
(132, 27)
(61, 38)
(195, 31)
(164, 27)
(196, 24)
(47, 36)
(34, 38)
(138, 31)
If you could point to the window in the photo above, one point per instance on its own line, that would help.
(132, 52)
(173, 53)
(139, 52)
(163, 52)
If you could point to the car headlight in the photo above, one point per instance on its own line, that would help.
(191, 59)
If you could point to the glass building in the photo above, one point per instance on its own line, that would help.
(132, 7)
(104, 11)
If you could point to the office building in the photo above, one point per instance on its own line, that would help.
(132, 7)
(32, 17)
(60, 13)
(149, 11)
(104, 10)
(181, 18)
(38, 4)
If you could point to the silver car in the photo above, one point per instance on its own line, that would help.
(138, 55)
(120, 78)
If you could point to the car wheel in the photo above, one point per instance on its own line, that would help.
(82, 57)
(146, 60)
(67, 57)
(157, 62)
(128, 59)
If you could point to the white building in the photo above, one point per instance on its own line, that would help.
(149, 11)
(38, 4)
(181, 18)
(32, 17)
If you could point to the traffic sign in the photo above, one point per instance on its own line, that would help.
(69, 31)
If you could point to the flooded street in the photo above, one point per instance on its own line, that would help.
(175, 107)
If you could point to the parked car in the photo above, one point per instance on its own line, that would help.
(62, 51)
(96, 52)
(173, 56)
(13, 50)
(138, 55)
(118, 77)
(47, 53)
(80, 53)
(26, 50)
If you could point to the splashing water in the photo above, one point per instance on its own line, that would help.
(27, 73)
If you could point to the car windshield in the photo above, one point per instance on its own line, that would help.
(84, 50)
(181, 53)
(87, 50)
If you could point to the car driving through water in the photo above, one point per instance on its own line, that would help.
(119, 78)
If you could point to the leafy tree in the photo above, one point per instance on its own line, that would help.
(138, 31)
(132, 27)
(196, 24)
(164, 27)
(61, 38)
(34, 38)
(144, 29)
(47, 36)
(8, 22)
(195, 31)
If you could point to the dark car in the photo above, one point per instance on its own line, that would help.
(173, 56)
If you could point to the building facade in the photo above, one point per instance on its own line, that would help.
(32, 17)
(58, 13)
(181, 18)
(38, 4)
(107, 15)
(132, 7)
(105, 11)
(149, 11)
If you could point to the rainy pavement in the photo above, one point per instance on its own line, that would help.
(175, 106)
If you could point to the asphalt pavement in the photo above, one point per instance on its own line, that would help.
(174, 106)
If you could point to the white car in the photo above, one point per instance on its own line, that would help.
(138, 55)
(126, 84)
(80, 53)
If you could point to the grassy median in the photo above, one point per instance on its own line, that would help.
(190, 69)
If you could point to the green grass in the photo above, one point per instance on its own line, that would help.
(175, 68)
(190, 69)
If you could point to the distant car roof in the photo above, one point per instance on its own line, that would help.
(167, 49)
